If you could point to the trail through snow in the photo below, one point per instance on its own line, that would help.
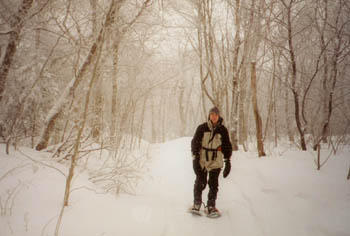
(271, 196)
(170, 192)
(260, 197)
(275, 196)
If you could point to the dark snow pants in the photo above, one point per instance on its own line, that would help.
(200, 184)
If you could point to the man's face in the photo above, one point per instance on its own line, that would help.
(214, 117)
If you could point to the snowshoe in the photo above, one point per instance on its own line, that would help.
(212, 212)
(195, 210)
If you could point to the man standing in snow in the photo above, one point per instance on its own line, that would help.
(210, 147)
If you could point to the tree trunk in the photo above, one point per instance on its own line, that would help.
(16, 24)
(290, 133)
(116, 40)
(200, 54)
(271, 103)
(242, 116)
(249, 48)
(318, 157)
(93, 4)
(325, 62)
(153, 122)
(258, 122)
(81, 130)
(328, 107)
(235, 72)
(142, 119)
(114, 106)
(182, 112)
(276, 136)
(294, 79)
(97, 120)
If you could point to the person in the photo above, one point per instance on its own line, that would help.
(211, 148)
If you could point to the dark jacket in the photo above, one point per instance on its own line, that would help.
(212, 144)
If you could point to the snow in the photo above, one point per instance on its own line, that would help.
(275, 195)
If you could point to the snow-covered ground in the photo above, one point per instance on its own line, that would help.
(276, 195)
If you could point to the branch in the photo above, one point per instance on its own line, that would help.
(309, 85)
(44, 164)
(6, 32)
(144, 5)
(206, 91)
(12, 170)
(87, 188)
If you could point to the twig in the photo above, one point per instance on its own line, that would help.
(44, 164)
(44, 228)
(12, 170)
(87, 188)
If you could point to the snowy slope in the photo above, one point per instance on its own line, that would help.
(270, 196)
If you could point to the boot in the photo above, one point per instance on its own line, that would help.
(195, 209)
(212, 212)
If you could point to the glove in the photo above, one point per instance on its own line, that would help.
(227, 168)
(196, 166)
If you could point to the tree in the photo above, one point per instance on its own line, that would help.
(15, 24)
(289, 11)
(335, 50)
(67, 95)
(258, 122)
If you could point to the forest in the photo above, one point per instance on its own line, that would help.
(93, 84)
(114, 73)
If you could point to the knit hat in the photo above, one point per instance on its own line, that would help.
(214, 110)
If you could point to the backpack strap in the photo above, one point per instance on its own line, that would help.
(215, 152)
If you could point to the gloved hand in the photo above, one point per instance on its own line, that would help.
(196, 166)
(227, 168)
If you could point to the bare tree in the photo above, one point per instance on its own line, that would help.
(289, 9)
(78, 139)
(338, 49)
(15, 25)
(72, 86)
